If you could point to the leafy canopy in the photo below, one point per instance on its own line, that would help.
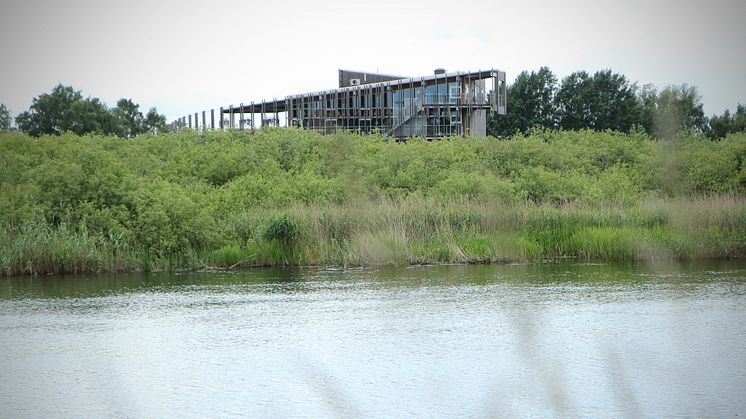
(606, 101)
(65, 110)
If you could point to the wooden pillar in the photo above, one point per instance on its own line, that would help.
(287, 113)
(240, 120)
(277, 116)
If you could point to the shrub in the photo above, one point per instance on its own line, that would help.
(282, 229)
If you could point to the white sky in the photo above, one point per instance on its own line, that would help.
(188, 56)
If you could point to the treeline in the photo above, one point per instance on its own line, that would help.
(602, 101)
(65, 109)
(607, 101)
(289, 196)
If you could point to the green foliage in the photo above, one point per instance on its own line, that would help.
(478, 248)
(531, 104)
(726, 123)
(672, 110)
(33, 248)
(226, 256)
(154, 123)
(606, 101)
(84, 203)
(282, 229)
(65, 110)
(600, 102)
(574, 99)
(128, 117)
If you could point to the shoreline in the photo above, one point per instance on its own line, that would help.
(293, 197)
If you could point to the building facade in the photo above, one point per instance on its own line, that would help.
(435, 106)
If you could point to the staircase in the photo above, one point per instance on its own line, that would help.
(412, 108)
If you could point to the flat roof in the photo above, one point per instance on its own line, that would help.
(280, 105)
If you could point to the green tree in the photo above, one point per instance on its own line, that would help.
(530, 104)
(739, 119)
(720, 125)
(128, 117)
(726, 123)
(573, 101)
(603, 101)
(63, 110)
(5, 119)
(614, 103)
(50, 112)
(674, 109)
(154, 122)
(647, 97)
(92, 116)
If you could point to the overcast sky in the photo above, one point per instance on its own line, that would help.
(187, 56)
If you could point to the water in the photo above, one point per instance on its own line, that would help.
(448, 341)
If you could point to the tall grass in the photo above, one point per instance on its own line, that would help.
(42, 249)
(38, 249)
(416, 231)
(412, 231)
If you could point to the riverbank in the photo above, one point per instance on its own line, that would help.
(411, 231)
(290, 197)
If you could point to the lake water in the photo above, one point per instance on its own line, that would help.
(437, 341)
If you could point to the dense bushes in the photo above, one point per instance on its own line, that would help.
(293, 196)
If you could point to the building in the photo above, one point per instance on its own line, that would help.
(435, 106)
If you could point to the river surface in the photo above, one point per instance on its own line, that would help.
(569, 340)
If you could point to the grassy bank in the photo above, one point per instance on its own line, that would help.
(190, 200)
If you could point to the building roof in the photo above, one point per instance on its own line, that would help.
(280, 105)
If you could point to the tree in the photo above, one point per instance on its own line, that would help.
(647, 97)
(5, 119)
(604, 101)
(530, 104)
(674, 109)
(50, 113)
(720, 125)
(92, 116)
(573, 101)
(726, 123)
(614, 104)
(63, 110)
(739, 119)
(154, 122)
(129, 118)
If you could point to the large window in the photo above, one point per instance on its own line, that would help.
(442, 94)
(454, 92)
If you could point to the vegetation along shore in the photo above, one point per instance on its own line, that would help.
(192, 199)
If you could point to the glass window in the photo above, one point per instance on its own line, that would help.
(398, 100)
(430, 92)
(454, 92)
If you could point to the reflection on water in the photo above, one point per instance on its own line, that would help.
(436, 341)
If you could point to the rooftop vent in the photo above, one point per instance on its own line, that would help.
(440, 71)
